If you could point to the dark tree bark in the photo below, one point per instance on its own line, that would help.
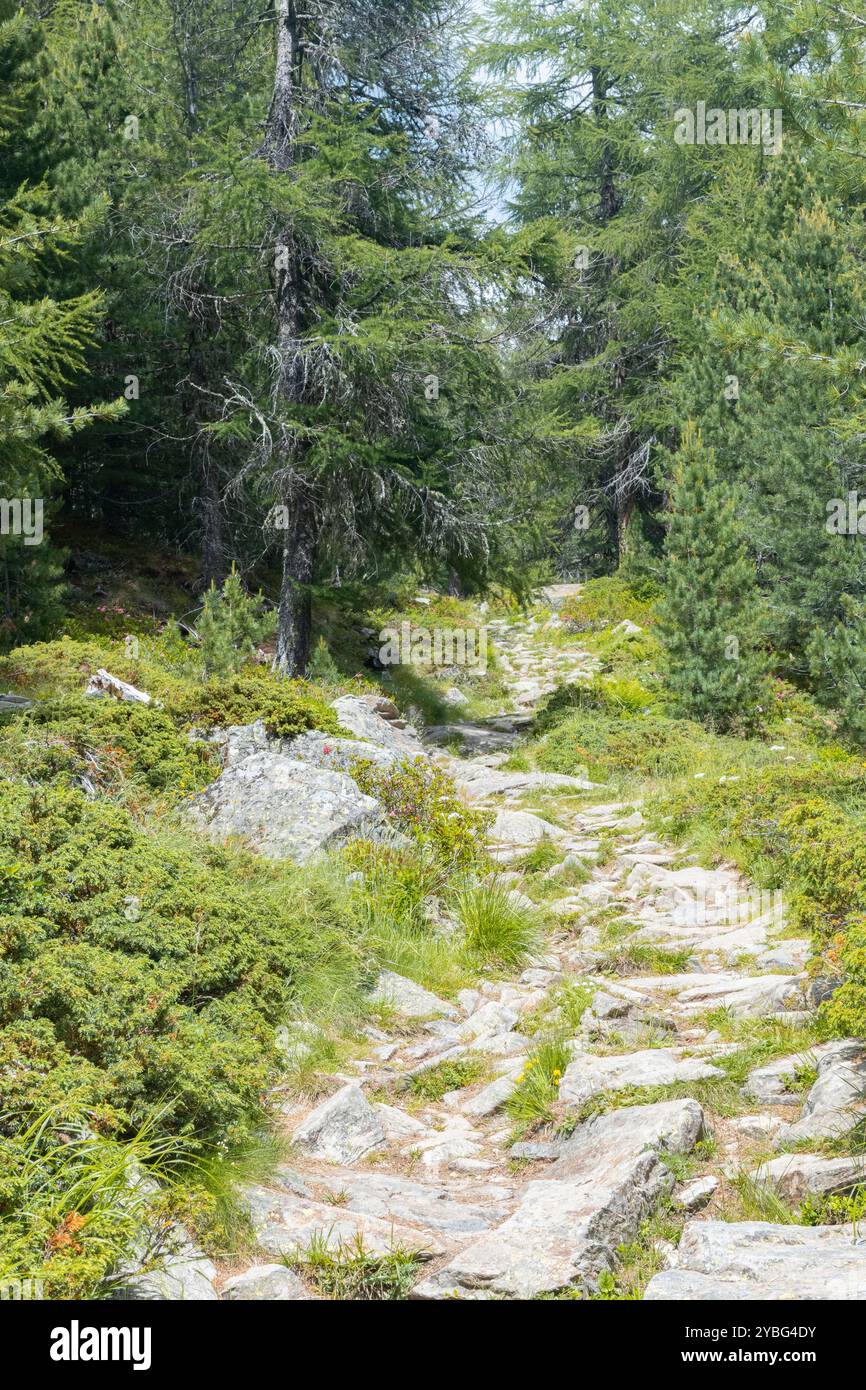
(294, 627)
(299, 551)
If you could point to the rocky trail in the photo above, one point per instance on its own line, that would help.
(384, 1161)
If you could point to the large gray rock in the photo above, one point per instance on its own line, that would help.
(323, 750)
(797, 1176)
(521, 829)
(754, 1261)
(286, 809)
(656, 1066)
(266, 1284)
(359, 715)
(592, 1198)
(342, 1129)
(408, 998)
(837, 1101)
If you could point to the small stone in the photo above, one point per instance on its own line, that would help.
(343, 1129)
(695, 1194)
(266, 1283)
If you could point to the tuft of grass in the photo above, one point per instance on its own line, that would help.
(565, 1006)
(758, 1201)
(496, 930)
(221, 1221)
(437, 1081)
(349, 1271)
(531, 1103)
(631, 958)
(77, 1206)
(543, 855)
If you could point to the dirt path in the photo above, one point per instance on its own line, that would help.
(414, 1152)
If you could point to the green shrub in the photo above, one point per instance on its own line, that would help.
(147, 974)
(605, 602)
(287, 707)
(421, 800)
(108, 742)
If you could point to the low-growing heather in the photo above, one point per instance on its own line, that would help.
(421, 801)
(147, 974)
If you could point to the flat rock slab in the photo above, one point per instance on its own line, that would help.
(343, 1129)
(656, 1066)
(797, 1176)
(408, 998)
(490, 782)
(430, 1206)
(286, 809)
(568, 1224)
(742, 994)
(286, 1224)
(755, 1260)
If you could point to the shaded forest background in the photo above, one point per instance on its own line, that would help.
(338, 292)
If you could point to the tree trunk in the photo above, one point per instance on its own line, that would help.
(213, 555)
(295, 611)
(299, 551)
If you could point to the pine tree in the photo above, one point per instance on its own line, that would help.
(591, 90)
(231, 624)
(43, 341)
(709, 618)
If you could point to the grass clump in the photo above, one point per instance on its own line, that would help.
(348, 1271)
(536, 1091)
(71, 1210)
(633, 958)
(496, 930)
(435, 1082)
